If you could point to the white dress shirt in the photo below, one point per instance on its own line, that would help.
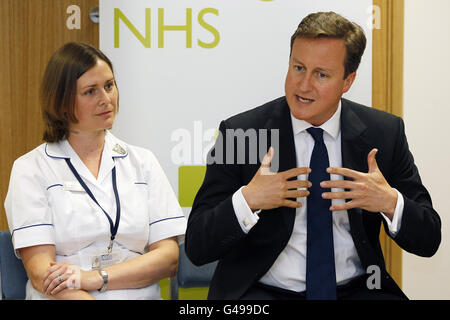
(289, 269)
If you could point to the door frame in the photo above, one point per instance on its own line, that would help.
(387, 92)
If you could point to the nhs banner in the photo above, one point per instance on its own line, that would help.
(182, 66)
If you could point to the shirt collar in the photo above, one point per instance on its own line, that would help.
(56, 150)
(116, 147)
(332, 126)
(62, 150)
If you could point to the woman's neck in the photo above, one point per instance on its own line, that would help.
(89, 147)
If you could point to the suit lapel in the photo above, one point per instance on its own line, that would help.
(281, 120)
(355, 148)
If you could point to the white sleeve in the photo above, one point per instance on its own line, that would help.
(166, 217)
(395, 224)
(29, 216)
(246, 218)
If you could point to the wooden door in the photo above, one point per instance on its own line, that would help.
(387, 91)
(30, 31)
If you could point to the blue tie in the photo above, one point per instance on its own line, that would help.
(320, 269)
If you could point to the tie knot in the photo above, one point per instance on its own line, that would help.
(316, 133)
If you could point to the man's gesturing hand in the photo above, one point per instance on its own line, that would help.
(269, 190)
(369, 191)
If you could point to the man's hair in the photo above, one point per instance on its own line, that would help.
(333, 25)
(59, 86)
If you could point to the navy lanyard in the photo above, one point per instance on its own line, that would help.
(113, 227)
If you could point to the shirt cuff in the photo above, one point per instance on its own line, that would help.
(395, 224)
(246, 218)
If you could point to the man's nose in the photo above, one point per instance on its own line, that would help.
(305, 83)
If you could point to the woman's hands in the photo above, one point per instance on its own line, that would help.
(62, 275)
(160, 262)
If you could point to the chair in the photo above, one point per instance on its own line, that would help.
(189, 275)
(13, 275)
(190, 179)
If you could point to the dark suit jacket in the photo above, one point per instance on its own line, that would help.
(213, 232)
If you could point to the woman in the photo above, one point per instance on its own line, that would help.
(91, 216)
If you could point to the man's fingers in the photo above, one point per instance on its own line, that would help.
(291, 204)
(295, 184)
(295, 172)
(339, 195)
(297, 193)
(346, 173)
(345, 206)
(341, 184)
(371, 160)
(267, 160)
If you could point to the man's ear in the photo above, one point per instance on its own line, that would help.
(348, 82)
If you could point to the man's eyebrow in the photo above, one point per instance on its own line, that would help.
(295, 60)
(324, 69)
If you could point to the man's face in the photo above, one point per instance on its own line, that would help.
(315, 79)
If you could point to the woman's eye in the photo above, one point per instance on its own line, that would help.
(89, 92)
(109, 86)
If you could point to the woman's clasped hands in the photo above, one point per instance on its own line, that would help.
(62, 275)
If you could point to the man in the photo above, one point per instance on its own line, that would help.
(311, 230)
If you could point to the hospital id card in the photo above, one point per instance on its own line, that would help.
(105, 259)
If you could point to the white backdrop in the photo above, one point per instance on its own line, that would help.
(426, 115)
(173, 98)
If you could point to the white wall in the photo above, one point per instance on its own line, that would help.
(427, 119)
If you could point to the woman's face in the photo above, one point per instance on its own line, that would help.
(96, 100)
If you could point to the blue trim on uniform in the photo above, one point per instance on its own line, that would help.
(55, 185)
(53, 156)
(121, 156)
(166, 219)
(141, 183)
(34, 225)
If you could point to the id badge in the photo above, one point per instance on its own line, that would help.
(73, 186)
(105, 259)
